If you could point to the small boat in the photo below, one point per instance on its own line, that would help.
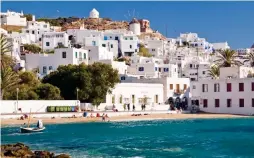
(31, 130)
(38, 128)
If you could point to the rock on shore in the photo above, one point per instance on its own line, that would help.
(22, 150)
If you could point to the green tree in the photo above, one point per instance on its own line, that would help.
(28, 78)
(93, 81)
(214, 71)
(104, 78)
(25, 93)
(32, 48)
(47, 92)
(29, 17)
(250, 58)
(227, 58)
(143, 51)
(70, 77)
(9, 78)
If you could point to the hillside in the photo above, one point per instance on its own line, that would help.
(11, 28)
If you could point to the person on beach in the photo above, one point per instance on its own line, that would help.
(142, 107)
(103, 117)
(128, 106)
(133, 107)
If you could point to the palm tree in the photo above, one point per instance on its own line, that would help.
(227, 58)
(250, 59)
(9, 78)
(214, 72)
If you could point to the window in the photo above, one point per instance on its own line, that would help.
(141, 69)
(229, 87)
(165, 69)
(156, 98)
(203, 72)
(116, 38)
(190, 65)
(111, 46)
(216, 87)
(32, 32)
(63, 54)
(171, 86)
(103, 45)
(80, 55)
(113, 99)
(205, 87)
(229, 102)
(45, 26)
(185, 86)
(121, 99)
(133, 99)
(252, 102)
(217, 103)
(159, 69)
(105, 37)
(27, 31)
(93, 43)
(123, 78)
(153, 50)
(44, 69)
(39, 39)
(136, 50)
(241, 102)
(205, 103)
(241, 87)
(50, 68)
(84, 55)
(76, 54)
(131, 38)
(47, 44)
(130, 46)
(252, 86)
(38, 32)
(194, 87)
(156, 69)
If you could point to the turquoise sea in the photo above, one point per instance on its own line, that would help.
(199, 138)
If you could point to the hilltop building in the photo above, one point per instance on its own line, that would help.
(13, 18)
(94, 14)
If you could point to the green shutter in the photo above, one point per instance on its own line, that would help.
(76, 54)
(84, 55)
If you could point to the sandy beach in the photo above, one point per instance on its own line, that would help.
(119, 118)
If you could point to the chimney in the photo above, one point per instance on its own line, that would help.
(33, 18)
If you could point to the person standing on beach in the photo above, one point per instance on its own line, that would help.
(133, 107)
(142, 107)
(128, 106)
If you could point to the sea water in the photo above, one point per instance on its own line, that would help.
(200, 138)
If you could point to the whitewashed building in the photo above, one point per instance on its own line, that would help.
(13, 18)
(231, 93)
(133, 94)
(47, 63)
(94, 14)
(221, 46)
(51, 40)
(97, 53)
(129, 45)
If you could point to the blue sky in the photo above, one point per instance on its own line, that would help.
(216, 21)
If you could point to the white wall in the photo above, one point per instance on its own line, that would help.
(223, 95)
(11, 106)
(139, 90)
(53, 39)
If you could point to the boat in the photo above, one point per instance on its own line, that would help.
(38, 128)
(31, 130)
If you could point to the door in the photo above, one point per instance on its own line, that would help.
(177, 88)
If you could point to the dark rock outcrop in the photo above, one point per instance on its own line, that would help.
(21, 150)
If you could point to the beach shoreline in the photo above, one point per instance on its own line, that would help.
(121, 118)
